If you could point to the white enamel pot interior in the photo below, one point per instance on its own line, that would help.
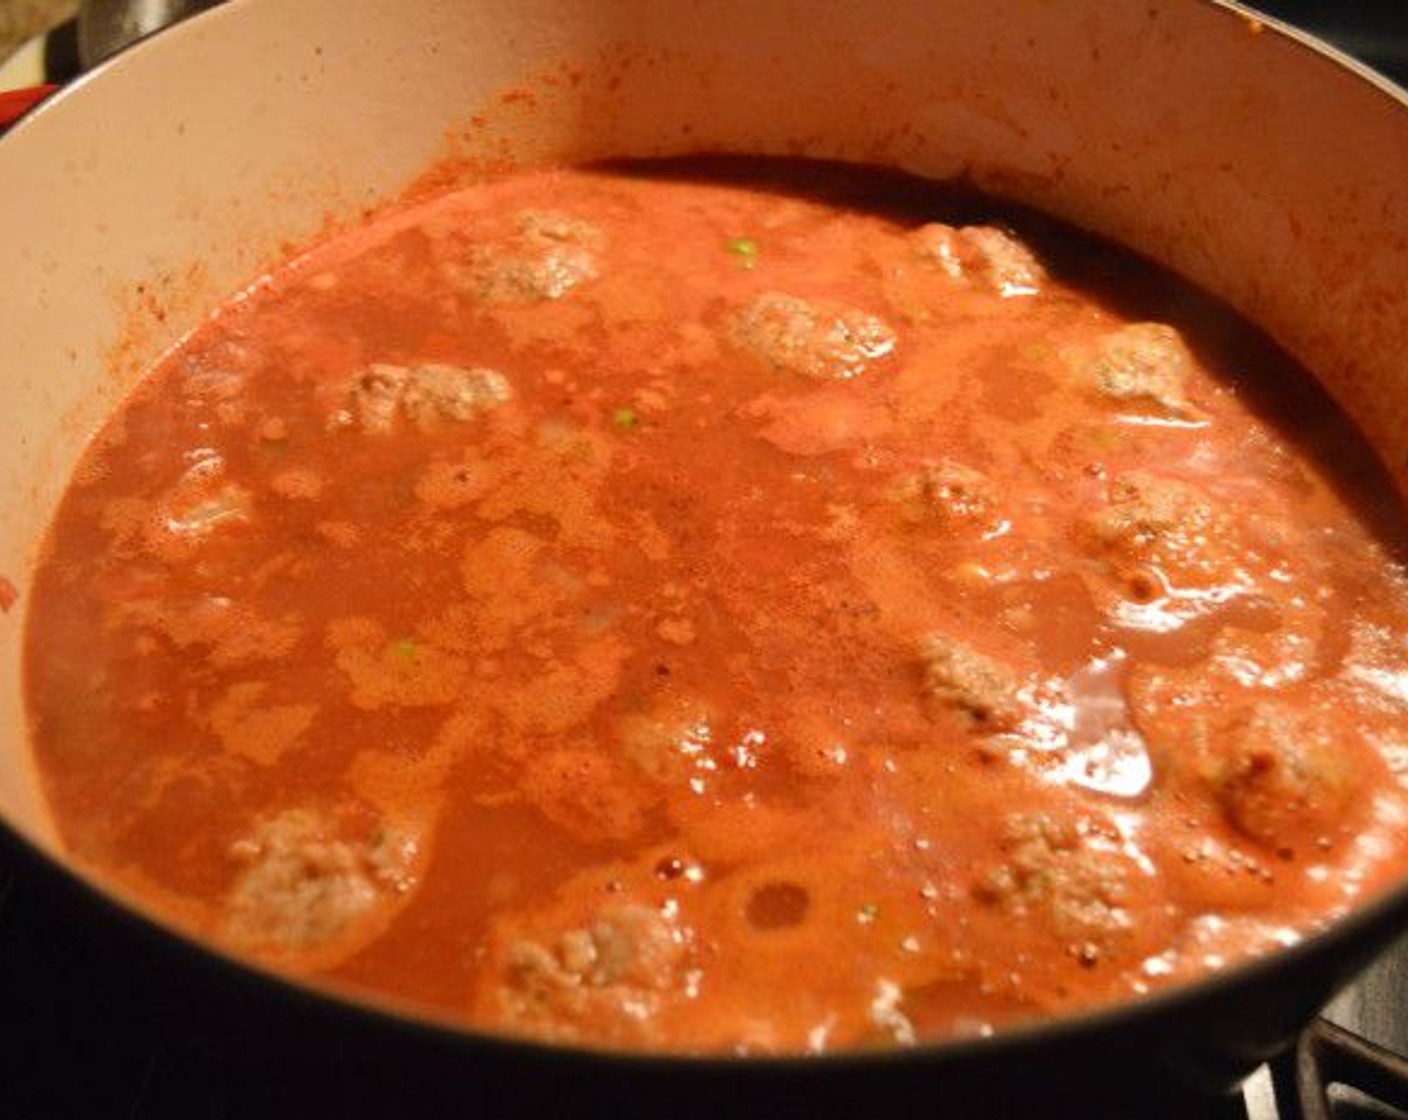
(1264, 170)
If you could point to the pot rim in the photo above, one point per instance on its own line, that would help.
(368, 1009)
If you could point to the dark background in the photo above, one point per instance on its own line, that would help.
(1375, 31)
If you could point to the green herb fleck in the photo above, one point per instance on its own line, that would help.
(745, 249)
(867, 914)
(625, 418)
(404, 648)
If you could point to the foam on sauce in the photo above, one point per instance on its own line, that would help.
(728, 606)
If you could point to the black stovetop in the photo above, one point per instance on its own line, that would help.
(69, 1051)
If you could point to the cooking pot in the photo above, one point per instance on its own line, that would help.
(1257, 164)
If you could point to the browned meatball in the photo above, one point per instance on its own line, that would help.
(546, 255)
(1143, 365)
(384, 394)
(812, 338)
(958, 680)
(951, 497)
(603, 981)
(1287, 776)
(985, 254)
(317, 885)
(1062, 874)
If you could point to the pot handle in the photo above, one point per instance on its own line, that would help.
(15, 103)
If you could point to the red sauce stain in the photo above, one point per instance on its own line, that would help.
(9, 595)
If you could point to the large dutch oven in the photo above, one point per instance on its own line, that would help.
(1252, 162)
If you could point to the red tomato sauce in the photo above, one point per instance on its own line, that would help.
(751, 606)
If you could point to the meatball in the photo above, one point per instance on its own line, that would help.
(1171, 527)
(950, 497)
(815, 339)
(423, 395)
(1055, 870)
(316, 886)
(1145, 512)
(1145, 365)
(986, 254)
(375, 398)
(602, 981)
(436, 392)
(545, 256)
(1288, 776)
(957, 680)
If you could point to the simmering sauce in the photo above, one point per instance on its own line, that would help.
(728, 606)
